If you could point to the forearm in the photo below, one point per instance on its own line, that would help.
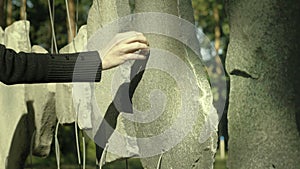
(23, 67)
(77, 67)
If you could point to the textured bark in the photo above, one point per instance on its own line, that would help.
(23, 10)
(2, 12)
(263, 60)
(72, 30)
(9, 12)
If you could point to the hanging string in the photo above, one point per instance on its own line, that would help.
(57, 151)
(159, 161)
(53, 16)
(77, 137)
(103, 157)
(52, 26)
(76, 113)
(84, 151)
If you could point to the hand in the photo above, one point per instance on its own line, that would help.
(123, 47)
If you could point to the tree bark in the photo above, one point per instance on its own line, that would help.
(72, 11)
(9, 12)
(2, 12)
(23, 10)
(263, 61)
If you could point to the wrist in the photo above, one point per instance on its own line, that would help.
(104, 65)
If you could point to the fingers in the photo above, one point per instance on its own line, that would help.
(132, 36)
(133, 47)
(139, 37)
(134, 56)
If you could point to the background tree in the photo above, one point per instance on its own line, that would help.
(2, 13)
(23, 10)
(9, 10)
(71, 22)
(210, 17)
(263, 62)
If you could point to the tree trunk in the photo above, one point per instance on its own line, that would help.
(2, 12)
(23, 10)
(9, 12)
(71, 22)
(262, 59)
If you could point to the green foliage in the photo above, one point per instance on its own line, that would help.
(204, 16)
(205, 12)
(40, 28)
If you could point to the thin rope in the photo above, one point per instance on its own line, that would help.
(76, 113)
(84, 151)
(57, 151)
(159, 161)
(52, 26)
(103, 157)
(53, 16)
(77, 137)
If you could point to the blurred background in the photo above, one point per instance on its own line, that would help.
(209, 17)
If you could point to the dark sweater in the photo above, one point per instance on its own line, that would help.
(16, 68)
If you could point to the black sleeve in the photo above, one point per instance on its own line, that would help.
(17, 68)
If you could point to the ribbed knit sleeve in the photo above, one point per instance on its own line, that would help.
(77, 67)
(16, 68)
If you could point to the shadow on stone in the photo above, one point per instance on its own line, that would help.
(122, 102)
(20, 146)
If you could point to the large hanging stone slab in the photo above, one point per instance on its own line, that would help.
(65, 108)
(101, 13)
(195, 148)
(14, 138)
(263, 60)
(157, 96)
(40, 100)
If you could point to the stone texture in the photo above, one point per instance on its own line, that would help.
(15, 135)
(40, 101)
(193, 151)
(102, 13)
(18, 40)
(27, 110)
(153, 88)
(65, 109)
(262, 61)
(1, 36)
